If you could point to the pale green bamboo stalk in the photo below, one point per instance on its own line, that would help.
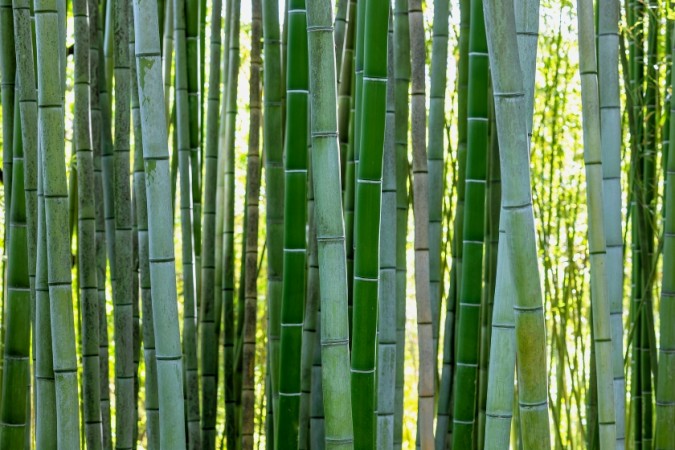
(596, 232)
(45, 429)
(610, 141)
(209, 344)
(167, 54)
(334, 323)
(102, 244)
(162, 263)
(386, 336)
(183, 131)
(141, 215)
(86, 238)
(339, 30)
(510, 103)
(51, 132)
(435, 148)
(251, 246)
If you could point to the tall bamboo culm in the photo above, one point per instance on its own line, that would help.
(122, 287)
(209, 342)
(402, 80)
(274, 188)
(596, 231)
(7, 93)
(330, 234)
(473, 237)
(51, 136)
(251, 246)
(86, 228)
(420, 188)
(183, 130)
(368, 198)
(295, 218)
(665, 392)
(521, 253)
(610, 141)
(162, 263)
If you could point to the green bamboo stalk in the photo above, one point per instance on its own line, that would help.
(141, 215)
(7, 93)
(209, 348)
(368, 198)
(26, 96)
(122, 286)
(252, 218)
(228, 227)
(183, 129)
(51, 132)
(610, 139)
(435, 146)
(426, 384)
(98, 133)
(295, 217)
(16, 319)
(45, 391)
(596, 235)
(167, 54)
(162, 264)
(317, 429)
(386, 326)
(470, 292)
(340, 29)
(309, 331)
(193, 58)
(510, 102)
(345, 84)
(274, 189)
(334, 323)
(86, 238)
(665, 396)
(402, 80)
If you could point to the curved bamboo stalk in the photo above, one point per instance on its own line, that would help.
(160, 245)
(209, 346)
(334, 323)
(520, 251)
(86, 228)
(426, 388)
(251, 250)
(610, 141)
(51, 135)
(274, 189)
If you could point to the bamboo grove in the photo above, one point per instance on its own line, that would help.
(360, 224)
